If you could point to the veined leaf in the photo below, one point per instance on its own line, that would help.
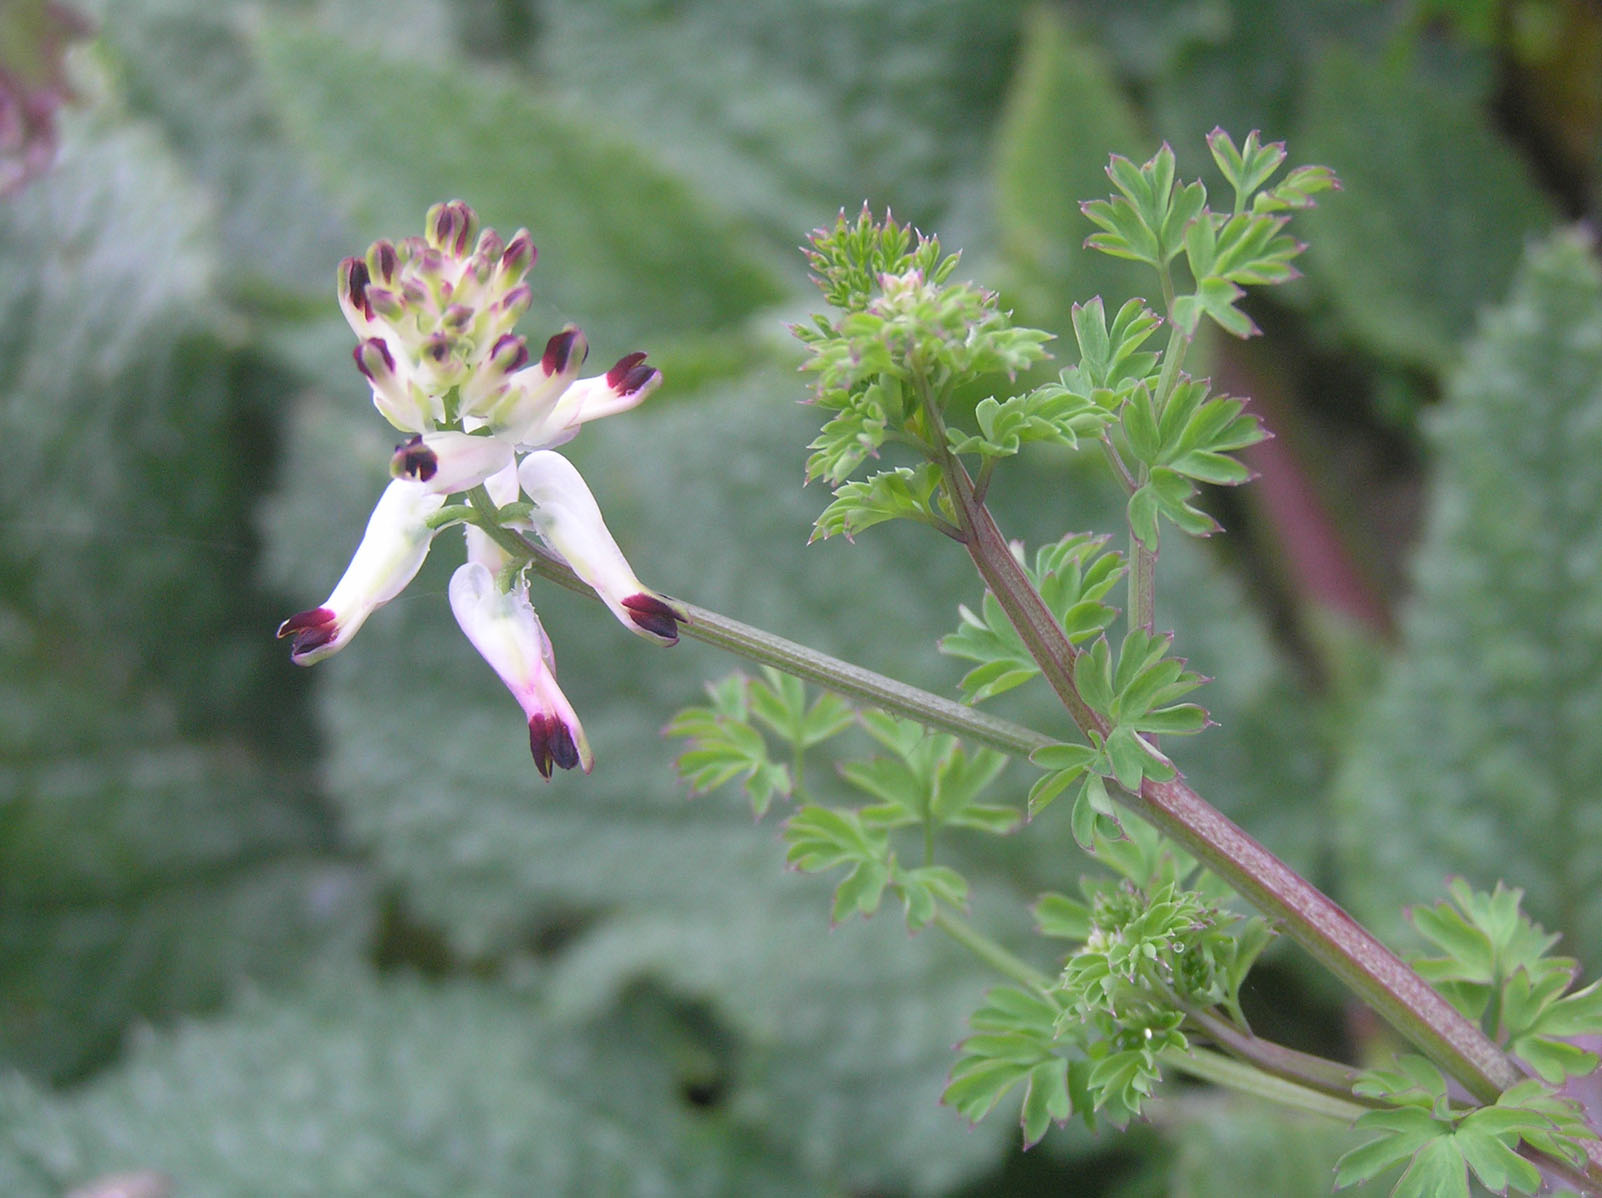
(707, 271)
(1065, 111)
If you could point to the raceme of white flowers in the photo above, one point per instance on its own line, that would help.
(434, 324)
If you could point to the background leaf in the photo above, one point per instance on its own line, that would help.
(418, 1090)
(642, 231)
(1478, 756)
(150, 808)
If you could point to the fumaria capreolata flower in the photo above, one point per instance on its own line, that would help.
(434, 317)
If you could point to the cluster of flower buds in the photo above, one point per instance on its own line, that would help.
(433, 317)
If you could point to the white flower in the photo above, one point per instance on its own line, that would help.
(445, 462)
(506, 632)
(391, 552)
(567, 519)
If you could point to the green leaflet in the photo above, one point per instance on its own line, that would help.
(1441, 1145)
(1480, 755)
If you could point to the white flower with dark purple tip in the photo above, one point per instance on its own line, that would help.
(567, 519)
(547, 422)
(446, 462)
(507, 634)
(391, 552)
(529, 392)
(396, 395)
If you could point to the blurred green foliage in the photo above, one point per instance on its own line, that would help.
(272, 932)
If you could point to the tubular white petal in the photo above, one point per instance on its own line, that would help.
(391, 552)
(567, 519)
(504, 629)
(445, 461)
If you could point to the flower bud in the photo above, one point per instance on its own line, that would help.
(451, 227)
(401, 401)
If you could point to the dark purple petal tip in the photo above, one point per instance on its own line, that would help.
(311, 629)
(353, 281)
(561, 349)
(519, 254)
(655, 616)
(451, 226)
(382, 260)
(509, 353)
(414, 460)
(638, 380)
(552, 744)
(372, 355)
(627, 365)
(517, 299)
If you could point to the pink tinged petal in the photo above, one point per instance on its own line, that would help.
(514, 303)
(489, 250)
(517, 259)
(445, 461)
(488, 382)
(382, 261)
(391, 552)
(504, 629)
(623, 387)
(567, 519)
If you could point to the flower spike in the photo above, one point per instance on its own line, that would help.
(505, 630)
(567, 519)
(391, 552)
(434, 318)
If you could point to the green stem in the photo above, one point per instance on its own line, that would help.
(1312, 919)
(1398, 994)
(991, 953)
(1303, 1069)
(842, 677)
(1009, 583)
(1236, 1075)
(1291, 1078)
